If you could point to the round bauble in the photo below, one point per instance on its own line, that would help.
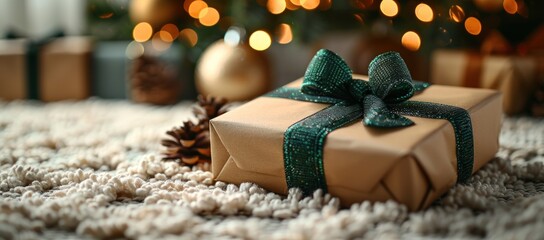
(236, 73)
(155, 12)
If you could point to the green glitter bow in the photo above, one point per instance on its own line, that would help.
(380, 101)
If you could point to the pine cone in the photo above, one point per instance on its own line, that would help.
(191, 144)
(209, 107)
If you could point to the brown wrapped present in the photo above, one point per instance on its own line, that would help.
(412, 165)
(56, 70)
(515, 76)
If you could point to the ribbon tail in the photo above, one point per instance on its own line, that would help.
(376, 114)
(462, 126)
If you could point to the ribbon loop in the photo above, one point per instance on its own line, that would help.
(390, 78)
(327, 75)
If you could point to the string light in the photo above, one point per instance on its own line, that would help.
(411, 41)
(309, 4)
(190, 36)
(389, 8)
(276, 6)
(208, 16)
(196, 7)
(457, 14)
(510, 6)
(424, 12)
(285, 34)
(260, 40)
(473, 26)
(142, 32)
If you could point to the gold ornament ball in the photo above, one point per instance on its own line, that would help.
(236, 73)
(155, 12)
(489, 5)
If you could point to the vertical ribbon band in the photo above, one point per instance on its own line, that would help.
(380, 102)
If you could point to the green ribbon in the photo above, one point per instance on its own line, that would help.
(32, 59)
(379, 101)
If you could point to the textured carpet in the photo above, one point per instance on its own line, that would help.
(93, 170)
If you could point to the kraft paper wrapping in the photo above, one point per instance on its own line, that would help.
(64, 70)
(413, 165)
(514, 76)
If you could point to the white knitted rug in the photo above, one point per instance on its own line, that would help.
(92, 170)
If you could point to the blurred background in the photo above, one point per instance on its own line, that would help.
(163, 51)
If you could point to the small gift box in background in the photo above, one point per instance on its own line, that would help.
(280, 140)
(515, 71)
(58, 69)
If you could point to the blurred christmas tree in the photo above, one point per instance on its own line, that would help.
(417, 24)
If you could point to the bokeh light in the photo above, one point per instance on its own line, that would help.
(172, 29)
(295, 2)
(187, 3)
(166, 36)
(189, 35)
(510, 6)
(276, 6)
(389, 8)
(134, 50)
(158, 44)
(411, 41)
(457, 14)
(285, 34)
(233, 36)
(260, 40)
(473, 26)
(208, 16)
(196, 7)
(291, 6)
(309, 4)
(142, 32)
(424, 12)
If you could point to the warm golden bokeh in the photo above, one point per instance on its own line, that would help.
(189, 35)
(260, 40)
(187, 3)
(389, 8)
(510, 6)
(208, 16)
(142, 32)
(309, 4)
(457, 14)
(276, 6)
(473, 26)
(158, 44)
(424, 12)
(166, 36)
(285, 34)
(172, 29)
(196, 7)
(295, 2)
(411, 41)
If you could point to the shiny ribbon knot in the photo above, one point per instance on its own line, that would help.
(380, 102)
(389, 83)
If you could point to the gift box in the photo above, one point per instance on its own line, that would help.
(513, 75)
(413, 165)
(55, 70)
